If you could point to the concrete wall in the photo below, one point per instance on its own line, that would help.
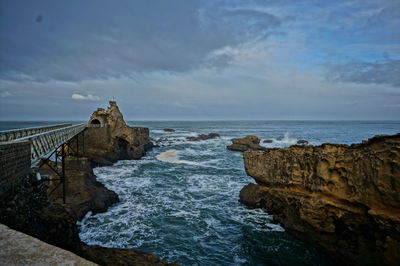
(17, 248)
(15, 162)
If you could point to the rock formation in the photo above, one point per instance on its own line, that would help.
(246, 143)
(108, 138)
(169, 130)
(344, 200)
(84, 192)
(267, 141)
(203, 137)
(302, 142)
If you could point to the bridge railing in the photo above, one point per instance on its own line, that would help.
(46, 142)
(13, 134)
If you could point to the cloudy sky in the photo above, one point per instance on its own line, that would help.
(198, 59)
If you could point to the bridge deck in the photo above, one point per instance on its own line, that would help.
(13, 134)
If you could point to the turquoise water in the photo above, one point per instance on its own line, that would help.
(184, 207)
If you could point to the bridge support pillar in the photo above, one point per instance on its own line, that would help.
(63, 171)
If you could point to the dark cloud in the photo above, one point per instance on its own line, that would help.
(386, 72)
(103, 39)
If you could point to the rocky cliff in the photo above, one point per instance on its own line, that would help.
(108, 138)
(344, 200)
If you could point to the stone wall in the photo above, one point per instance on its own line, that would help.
(15, 162)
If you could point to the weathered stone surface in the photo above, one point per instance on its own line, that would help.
(120, 256)
(83, 192)
(342, 199)
(246, 143)
(17, 248)
(108, 138)
(203, 137)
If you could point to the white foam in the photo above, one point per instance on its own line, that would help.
(171, 156)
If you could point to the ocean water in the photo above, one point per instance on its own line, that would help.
(180, 201)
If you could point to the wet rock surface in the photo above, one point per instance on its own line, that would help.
(302, 142)
(203, 137)
(342, 199)
(120, 256)
(246, 143)
(267, 141)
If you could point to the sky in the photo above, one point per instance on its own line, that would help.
(200, 59)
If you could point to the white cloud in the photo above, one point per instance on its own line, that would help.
(5, 94)
(81, 97)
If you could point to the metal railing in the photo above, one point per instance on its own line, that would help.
(13, 134)
(44, 143)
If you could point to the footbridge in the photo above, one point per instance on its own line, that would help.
(27, 148)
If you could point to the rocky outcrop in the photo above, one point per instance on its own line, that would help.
(344, 200)
(169, 130)
(203, 137)
(83, 192)
(246, 143)
(108, 138)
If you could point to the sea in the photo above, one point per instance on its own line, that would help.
(180, 201)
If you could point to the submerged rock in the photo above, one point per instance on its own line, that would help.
(169, 130)
(267, 141)
(246, 143)
(302, 142)
(203, 137)
(344, 200)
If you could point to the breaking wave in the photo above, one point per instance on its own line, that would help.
(285, 141)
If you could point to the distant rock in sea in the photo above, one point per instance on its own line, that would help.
(203, 137)
(267, 141)
(169, 130)
(344, 200)
(246, 143)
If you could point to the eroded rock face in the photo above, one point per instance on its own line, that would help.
(83, 192)
(344, 200)
(108, 138)
(246, 143)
